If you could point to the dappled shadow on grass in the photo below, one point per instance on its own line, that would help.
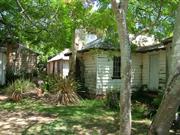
(140, 127)
(87, 117)
(13, 123)
(92, 119)
(74, 126)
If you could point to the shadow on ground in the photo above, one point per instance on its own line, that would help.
(87, 118)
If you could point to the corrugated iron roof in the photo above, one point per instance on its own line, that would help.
(60, 56)
(104, 45)
(155, 47)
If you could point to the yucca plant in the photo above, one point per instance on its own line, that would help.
(18, 88)
(66, 91)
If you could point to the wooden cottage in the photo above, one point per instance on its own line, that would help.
(16, 60)
(59, 64)
(98, 66)
(21, 59)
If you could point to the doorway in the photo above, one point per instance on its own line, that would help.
(153, 72)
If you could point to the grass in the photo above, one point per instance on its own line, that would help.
(88, 117)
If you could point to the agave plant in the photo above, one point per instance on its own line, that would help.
(66, 91)
(18, 87)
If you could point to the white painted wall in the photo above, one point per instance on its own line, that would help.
(136, 76)
(161, 67)
(98, 70)
(89, 61)
(104, 76)
(2, 68)
(65, 70)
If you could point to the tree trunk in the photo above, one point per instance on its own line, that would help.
(125, 91)
(171, 100)
(72, 70)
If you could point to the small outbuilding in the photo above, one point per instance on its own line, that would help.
(59, 64)
(21, 59)
(16, 60)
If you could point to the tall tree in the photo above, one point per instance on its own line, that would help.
(120, 10)
(171, 100)
(77, 16)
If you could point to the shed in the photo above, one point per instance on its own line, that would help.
(20, 59)
(59, 64)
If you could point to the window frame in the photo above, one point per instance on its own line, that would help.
(116, 67)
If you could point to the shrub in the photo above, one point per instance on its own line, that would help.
(19, 87)
(65, 89)
(157, 100)
(49, 82)
(82, 90)
(112, 99)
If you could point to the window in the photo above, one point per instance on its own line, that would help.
(116, 68)
(53, 67)
(58, 66)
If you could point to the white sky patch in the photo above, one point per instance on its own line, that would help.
(95, 6)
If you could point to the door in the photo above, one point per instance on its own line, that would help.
(104, 74)
(153, 72)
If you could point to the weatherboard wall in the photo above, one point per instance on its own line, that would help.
(89, 70)
(58, 67)
(98, 71)
(161, 68)
(136, 71)
(104, 76)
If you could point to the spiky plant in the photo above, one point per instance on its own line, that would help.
(18, 88)
(66, 91)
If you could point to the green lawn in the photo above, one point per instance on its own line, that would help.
(88, 117)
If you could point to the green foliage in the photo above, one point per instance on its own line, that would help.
(152, 17)
(48, 26)
(64, 88)
(112, 99)
(90, 115)
(82, 90)
(19, 87)
(66, 91)
(157, 100)
(49, 82)
(65, 84)
(140, 110)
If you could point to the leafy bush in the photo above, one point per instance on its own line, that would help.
(49, 83)
(18, 87)
(140, 110)
(82, 90)
(112, 99)
(157, 100)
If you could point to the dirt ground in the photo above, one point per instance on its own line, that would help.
(17, 123)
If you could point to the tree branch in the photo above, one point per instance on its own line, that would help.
(25, 15)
